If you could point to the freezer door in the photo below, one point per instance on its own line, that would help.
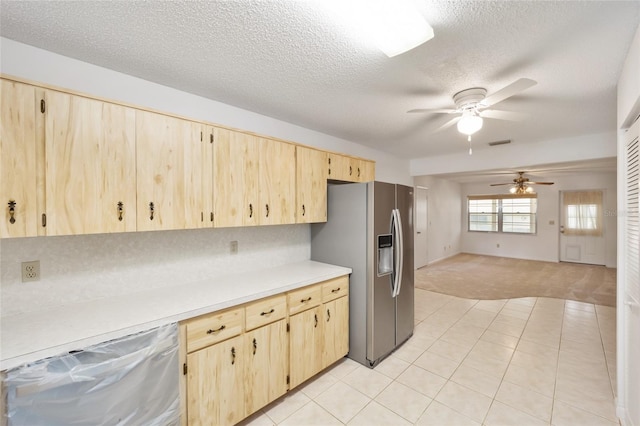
(405, 296)
(381, 320)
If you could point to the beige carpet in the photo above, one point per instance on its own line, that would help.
(487, 277)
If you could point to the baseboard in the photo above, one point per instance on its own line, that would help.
(622, 415)
(442, 258)
(555, 260)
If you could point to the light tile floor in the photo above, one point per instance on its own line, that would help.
(525, 361)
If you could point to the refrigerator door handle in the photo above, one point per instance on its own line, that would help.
(394, 233)
(400, 247)
(397, 252)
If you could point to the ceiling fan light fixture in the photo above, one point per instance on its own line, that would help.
(469, 123)
(513, 189)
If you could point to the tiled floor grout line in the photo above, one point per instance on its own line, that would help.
(604, 351)
(493, 400)
(555, 383)
(461, 311)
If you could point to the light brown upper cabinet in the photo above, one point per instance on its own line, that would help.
(90, 170)
(236, 156)
(311, 180)
(254, 180)
(18, 165)
(208, 187)
(336, 166)
(349, 169)
(277, 182)
(365, 170)
(169, 172)
(71, 164)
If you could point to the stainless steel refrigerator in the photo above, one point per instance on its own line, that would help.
(370, 229)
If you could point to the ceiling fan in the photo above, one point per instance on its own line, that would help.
(473, 105)
(521, 185)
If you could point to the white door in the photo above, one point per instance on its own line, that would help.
(629, 285)
(581, 227)
(420, 239)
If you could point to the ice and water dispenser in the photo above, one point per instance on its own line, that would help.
(385, 254)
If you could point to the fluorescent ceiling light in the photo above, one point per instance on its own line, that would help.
(395, 26)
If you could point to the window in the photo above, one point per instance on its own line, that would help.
(502, 213)
(483, 215)
(583, 212)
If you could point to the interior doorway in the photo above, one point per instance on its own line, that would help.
(582, 227)
(421, 255)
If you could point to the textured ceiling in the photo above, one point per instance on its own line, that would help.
(294, 61)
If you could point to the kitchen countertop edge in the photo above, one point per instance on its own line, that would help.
(38, 335)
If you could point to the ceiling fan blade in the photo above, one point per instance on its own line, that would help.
(447, 124)
(433, 111)
(512, 89)
(540, 183)
(503, 115)
(498, 184)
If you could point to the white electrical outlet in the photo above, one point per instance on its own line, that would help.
(234, 247)
(31, 271)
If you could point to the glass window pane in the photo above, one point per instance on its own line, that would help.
(582, 216)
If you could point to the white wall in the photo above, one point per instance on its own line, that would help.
(629, 85)
(544, 244)
(444, 213)
(39, 65)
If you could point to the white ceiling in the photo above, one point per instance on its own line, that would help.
(290, 60)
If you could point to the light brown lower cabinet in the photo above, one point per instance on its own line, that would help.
(335, 336)
(239, 360)
(266, 363)
(215, 384)
(305, 345)
(319, 336)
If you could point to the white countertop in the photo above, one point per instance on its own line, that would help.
(29, 337)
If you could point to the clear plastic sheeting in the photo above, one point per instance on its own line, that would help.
(128, 381)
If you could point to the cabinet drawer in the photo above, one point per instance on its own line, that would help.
(214, 328)
(304, 298)
(337, 287)
(265, 311)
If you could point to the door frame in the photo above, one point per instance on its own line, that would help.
(561, 224)
(418, 189)
(624, 362)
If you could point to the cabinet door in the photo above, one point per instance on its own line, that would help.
(215, 385)
(194, 148)
(90, 168)
(266, 365)
(277, 182)
(305, 350)
(311, 181)
(18, 160)
(336, 330)
(337, 166)
(236, 158)
(366, 171)
(207, 176)
(166, 170)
